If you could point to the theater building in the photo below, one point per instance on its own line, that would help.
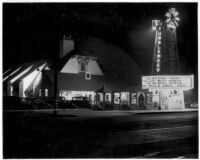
(79, 74)
(87, 73)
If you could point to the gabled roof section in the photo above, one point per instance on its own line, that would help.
(7, 71)
(17, 71)
(10, 72)
(62, 61)
(21, 74)
(23, 71)
(37, 65)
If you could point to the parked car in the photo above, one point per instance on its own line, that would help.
(80, 102)
(25, 104)
(51, 102)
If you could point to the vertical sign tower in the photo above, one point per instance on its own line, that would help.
(165, 64)
(165, 57)
(156, 64)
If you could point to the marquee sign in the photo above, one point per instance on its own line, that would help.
(168, 82)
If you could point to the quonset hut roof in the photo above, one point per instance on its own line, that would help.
(114, 61)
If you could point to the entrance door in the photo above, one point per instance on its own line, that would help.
(141, 100)
(164, 95)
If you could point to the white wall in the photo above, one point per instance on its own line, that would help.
(21, 90)
(28, 80)
(71, 66)
(20, 74)
(94, 68)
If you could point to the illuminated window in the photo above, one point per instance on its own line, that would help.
(133, 98)
(116, 98)
(40, 92)
(108, 97)
(46, 93)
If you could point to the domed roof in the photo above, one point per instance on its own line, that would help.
(114, 61)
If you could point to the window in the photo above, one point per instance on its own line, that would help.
(88, 75)
(116, 98)
(46, 93)
(40, 92)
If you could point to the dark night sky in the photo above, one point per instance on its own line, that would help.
(29, 29)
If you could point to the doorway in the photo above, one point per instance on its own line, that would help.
(141, 100)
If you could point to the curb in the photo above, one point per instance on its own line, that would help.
(163, 112)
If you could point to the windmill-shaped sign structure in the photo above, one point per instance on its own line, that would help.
(172, 18)
(165, 57)
(166, 83)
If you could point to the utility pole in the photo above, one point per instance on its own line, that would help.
(56, 58)
(56, 53)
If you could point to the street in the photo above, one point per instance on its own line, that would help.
(125, 135)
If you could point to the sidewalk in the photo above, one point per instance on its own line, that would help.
(108, 113)
(102, 113)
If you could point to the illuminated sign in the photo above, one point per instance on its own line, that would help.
(168, 82)
(133, 98)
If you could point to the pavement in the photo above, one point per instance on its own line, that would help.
(103, 113)
(109, 113)
(160, 138)
(83, 133)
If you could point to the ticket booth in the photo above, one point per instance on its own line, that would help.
(167, 91)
